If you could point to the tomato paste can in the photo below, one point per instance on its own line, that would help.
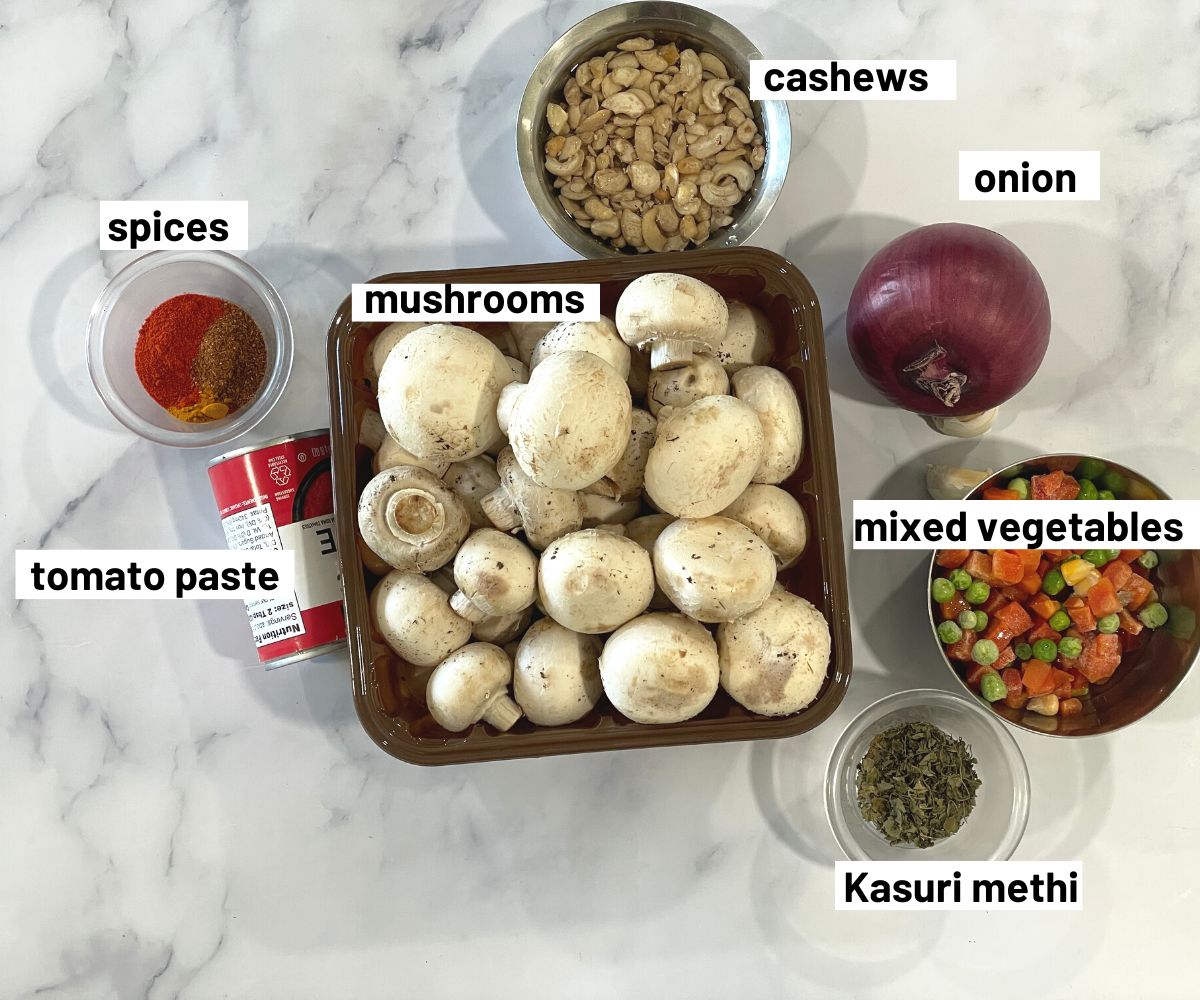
(279, 495)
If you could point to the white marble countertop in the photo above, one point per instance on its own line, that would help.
(175, 822)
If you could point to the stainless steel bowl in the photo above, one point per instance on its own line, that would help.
(675, 22)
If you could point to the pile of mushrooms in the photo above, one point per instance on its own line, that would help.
(563, 513)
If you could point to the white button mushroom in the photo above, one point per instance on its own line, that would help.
(438, 392)
(570, 423)
(774, 660)
(601, 511)
(599, 338)
(502, 629)
(748, 338)
(776, 517)
(473, 479)
(771, 396)
(700, 377)
(411, 519)
(385, 340)
(527, 335)
(391, 454)
(371, 432)
(591, 581)
(472, 684)
(519, 503)
(496, 575)
(674, 315)
(660, 668)
(704, 456)
(645, 531)
(624, 480)
(414, 617)
(713, 569)
(556, 674)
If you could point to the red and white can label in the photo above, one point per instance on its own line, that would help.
(280, 496)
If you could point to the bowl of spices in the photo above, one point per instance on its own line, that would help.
(189, 348)
(927, 774)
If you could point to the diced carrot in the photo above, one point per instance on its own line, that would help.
(1063, 464)
(1082, 616)
(1012, 680)
(1030, 584)
(1056, 485)
(954, 607)
(961, 650)
(1016, 699)
(1129, 623)
(1068, 489)
(1136, 592)
(951, 558)
(1129, 555)
(979, 565)
(1063, 682)
(1118, 572)
(1100, 658)
(996, 600)
(1030, 559)
(995, 493)
(1074, 601)
(1069, 706)
(975, 673)
(1102, 599)
(1006, 657)
(1038, 677)
(1013, 593)
(1014, 618)
(1043, 605)
(1000, 635)
(1042, 630)
(1044, 566)
(1007, 567)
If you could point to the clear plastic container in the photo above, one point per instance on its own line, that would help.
(997, 823)
(129, 298)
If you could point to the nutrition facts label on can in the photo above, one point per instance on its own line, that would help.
(271, 618)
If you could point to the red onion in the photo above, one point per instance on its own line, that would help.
(949, 320)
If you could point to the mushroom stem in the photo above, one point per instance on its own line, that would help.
(967, 426)
(670, 354)
(498, 507)
(508, 399)
(414, 515)
(463, 606)
(502, 713)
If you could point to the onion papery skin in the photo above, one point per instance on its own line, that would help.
(963, 289)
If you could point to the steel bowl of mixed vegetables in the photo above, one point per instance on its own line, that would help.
(1067, 642)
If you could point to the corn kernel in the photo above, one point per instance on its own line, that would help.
(1074, 570)
(1087, 583)
(1046, 704)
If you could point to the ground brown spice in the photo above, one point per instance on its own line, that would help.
(230, 364)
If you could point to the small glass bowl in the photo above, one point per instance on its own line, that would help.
(997, 823)
(127, 300)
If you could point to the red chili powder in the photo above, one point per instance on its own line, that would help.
(168, 343)
(319, 498)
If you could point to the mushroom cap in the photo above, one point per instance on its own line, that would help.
(771, 396)
(496, 572)
(411, 519)
(391, 453)
(700, 377)
(659, 668)
(774, 660)
(592, 580)
(473, 479)
(704, 456)
(748, 338)
(371, 432)
(413, 615)
(527, 335)
(776, 517)
(713, 569)
(665, 306)
(384, 341)
(639, 374)
(556, 674)
(570, 424)
(598, 337)
(438, 392)
(502, 629)
(543, 513)
(645, 531)
(599, 510)
(468, 685)
(624, 480)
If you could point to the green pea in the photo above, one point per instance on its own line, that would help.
(992, 686)
(1045, 649)
(966, 619)
(1070, 647)
(1021, 486)
(1023, 650)
(985, 652)
(1106, 495)
(1148, 559)
(978, 592)
(1090, 468)
(1114, 482)
(949, 632)
(1060, 620)
(1053, 582)
(1087, 490)
(981, 621)
(942, 590)
(1153, 615)
(960, 578)
(1108, 624)
(1097, 557)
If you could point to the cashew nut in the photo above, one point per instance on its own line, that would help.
(610, 181)
(687, 200)
(710, 93)
(643, 176)
(690, 72)
(651, 235)
(711, 64)
(711, 144)
(565, 168)
(739, 170)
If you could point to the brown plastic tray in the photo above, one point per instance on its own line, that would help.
(389, 693)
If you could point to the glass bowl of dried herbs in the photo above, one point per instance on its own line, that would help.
(927, 774)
